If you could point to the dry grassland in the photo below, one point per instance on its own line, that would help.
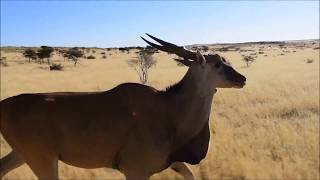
(267, 130)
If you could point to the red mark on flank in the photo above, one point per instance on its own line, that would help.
(134, 115)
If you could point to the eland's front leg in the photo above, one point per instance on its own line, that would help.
(183, 169)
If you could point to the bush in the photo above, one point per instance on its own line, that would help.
(309, 60)
(3, 61)
(56, 67)
(91, 57)
(104, 57)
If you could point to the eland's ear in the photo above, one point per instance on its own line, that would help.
(200, 58)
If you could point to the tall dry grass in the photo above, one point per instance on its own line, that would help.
(267, 130)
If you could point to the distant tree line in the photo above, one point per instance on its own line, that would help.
(45, 52)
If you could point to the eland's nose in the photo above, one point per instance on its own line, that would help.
(243, 78)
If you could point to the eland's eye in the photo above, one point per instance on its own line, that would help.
(217, 65)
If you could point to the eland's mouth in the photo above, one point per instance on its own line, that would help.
(239, 84)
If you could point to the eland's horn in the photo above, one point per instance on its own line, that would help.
(171, 48)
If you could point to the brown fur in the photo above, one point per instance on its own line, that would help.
(133, 128)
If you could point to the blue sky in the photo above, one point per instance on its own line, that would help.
(112, 23)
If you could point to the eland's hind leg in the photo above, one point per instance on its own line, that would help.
(10, 162)
(136, 177)
(183, 169)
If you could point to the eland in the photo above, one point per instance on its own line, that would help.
(133, 128)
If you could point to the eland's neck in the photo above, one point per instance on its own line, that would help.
(193, 102)
(196, 85)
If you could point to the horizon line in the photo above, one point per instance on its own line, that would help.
(218, 43)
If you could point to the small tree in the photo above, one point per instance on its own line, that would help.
(248, 59)
(142, 64)
(30, 54)
(45, 52)
(74, 54)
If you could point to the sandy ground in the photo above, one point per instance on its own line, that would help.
(267, 130)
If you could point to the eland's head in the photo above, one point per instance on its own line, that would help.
(211, 67)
